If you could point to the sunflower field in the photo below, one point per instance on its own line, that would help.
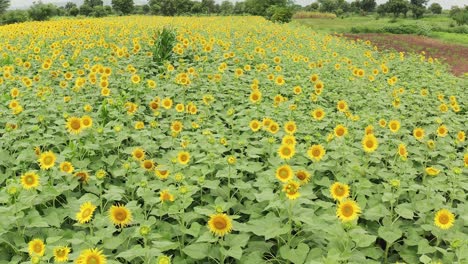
(225, 140)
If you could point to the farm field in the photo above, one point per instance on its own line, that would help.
(252, 142)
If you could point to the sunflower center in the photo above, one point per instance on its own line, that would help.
(291, 128)
(75, 124)
(316, 152)
(86, 122)
(301, 176)
(148, 165)
(37, 248)
(93, 260)
(60, 253)
(286, 151)
(444, 219)
(418, 133)
(339, 191)
(183, 158)
(48, 160)
(283, 173)
(318, 114)
(86, 213)
(29, 180)
(220, 224)
(340, 131)
(394, 126)
(369, 143)
(347, 210)
(120, 215)
(138, 154)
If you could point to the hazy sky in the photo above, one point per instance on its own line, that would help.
(446, 4)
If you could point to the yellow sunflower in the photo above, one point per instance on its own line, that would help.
(255, 125)
(176, 126)
(166, 196)
(147, 164)
(220, 224)
(288, 140)
(339, 191)
(402, 152)
(91, 256)
(316, 152)
(163, 260)
(274, 127)
(340, 131)
(461, 136)
(29, 180)
(418, 133)
(83, 176)
(432, 171)
(442, 131)
(465, 159)
(290, 127)
(382, 123)
(369, 143)
(444, 219)
(255, 96)
(47, 160)
(348, 211)
(86, 121)
(86, 212)
(61, 254)
(36, 247)
(292, 190)
(138, 154)
(120, 215)
(286, 151)
(183, 157)
(162, 173)
(74, 125)
(303, 176)
(342, 106)
(394, 125)
(66, 167)
(318, 114)
(284, 173)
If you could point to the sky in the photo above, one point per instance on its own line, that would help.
(446, 4)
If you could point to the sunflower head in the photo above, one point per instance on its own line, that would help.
(166, 196)
(442, 131)
(394, 125)
(147, 165)
(340, 131)
(432, 171)
(183, 157)
(303, 176)
(86, 212)
(74, 125)
(290, 127)
(289, 140)
(120, 215)
(47, 160)
(138, 154)
(220, 224)
(30, 180)
(418, 133)
(93, 256)
(348, 210)
(292, 190)
(369, 143)
(316, 152)
(66, 167)
(36, 247)
(444, 219)
(284, 173)
(61, 254)
(86, 121)
(286, 151)
(255, 125)
(339, 191)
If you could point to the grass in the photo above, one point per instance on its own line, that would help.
(344, 25)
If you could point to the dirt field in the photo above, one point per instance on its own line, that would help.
(454, 55)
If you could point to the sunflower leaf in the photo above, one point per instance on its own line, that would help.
(197, 250)
(390, 233)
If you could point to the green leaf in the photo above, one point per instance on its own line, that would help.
(404, 210)
(235, 252)
(134, 252)
(269, 226)
(165, 245)
(197, 250)
(390, 234)
(295, 255)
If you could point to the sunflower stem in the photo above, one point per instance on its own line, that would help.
(387, 248)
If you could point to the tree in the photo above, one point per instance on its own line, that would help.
(15, 16)
(74, 11)
(208, 6)
(312, 7)
(99, 11)
(226, 8)
(381, 10)
(124, 6)
(397, 7)
(93, 3)
(418, 7)
(368, 5)
(85, 10)
(4, 4)
(41, 12)
(259, 7)
(435, 8)
(170, 7)
(70, 5)
(239, 8)
(460, 15)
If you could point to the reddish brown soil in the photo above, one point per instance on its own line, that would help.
(454, 55)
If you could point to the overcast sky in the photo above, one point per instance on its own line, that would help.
(446, 4)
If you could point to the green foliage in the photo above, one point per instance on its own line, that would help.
(279, 14)
(435, 8)
(416, 29)
(4, 4)
(460, 15)
(42, 12)
(397, 7)
(99, 11)
(14, 16)
(93, 3)
(74, 11)
(260, 7)
(226, 8)
(170, 7)
(86, 10)
(164, 42)
(124, 6)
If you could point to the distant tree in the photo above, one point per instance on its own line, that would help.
(197, 8)
(259, 7)
(435, 8)
(170, 7)
(312, 7)
(208, 6)
(41, 12)
(15, 16)
(280, 14)
(99, 11)
(334, 6)
(93, 3)
(368, 5)
(4, 4)
(124, 6)
(146, 9)
(418, 7)
(381, 10)
(69, 5)
(85, 10)
(74, 11)
(460, 15)
(226, 8)
(355, 6)
(397, 7)
(239, 8)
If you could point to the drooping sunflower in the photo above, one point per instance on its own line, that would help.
(340, 131)
(348, 211)
(86, 121)
(47, 160)
(255, 125)
(83, 176)
(86, 212)
(292, 190)
(288, 140)
(30, 180)
(290, 127)
(394, 125)
(442, 131)
(461, 136)
(36, 247)
(303, 176)
(162, 173)
(120, 215)
(286, 151)
(220, 224)
(147, 164)
(432, 171)
(316, 152)
(66, 167)
(402, 152)
(339, 191)
(91, 256)
(369, 143)
(74, 125)
(166, 196)
(138, 154)
(284, 173)
(418, 133)
(61, 254)
(183, 157)
(444, 219)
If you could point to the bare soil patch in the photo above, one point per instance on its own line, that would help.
(454, 55)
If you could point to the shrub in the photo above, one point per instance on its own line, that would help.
(42, 12)
(99, 11)
(16, 16)
(303, 14)
(280, 14)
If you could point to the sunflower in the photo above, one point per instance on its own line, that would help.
(61, 254)
(139, 125)
(369, 143)
(135, 79)
(432, 171)
(74, 125)
(36, 247)
(255, 96)
(220, 224)
(29, 180)
(444, 219)
(66, 167)
(288, 140)
(176, 126)
(340, 131)
(147, 164)
(297, 90)
(318, 114)
(292, 190)
(138, 154)
(284, 173)
(83, 176)
(266, 122)
(339, 191)
(402, 152)
(167, 103)
(47, 160)
(465, 159)
(105, 91)
(166, 196)
(91, 256)
(120, 215)
(369, 130)
(274, 127)
(86, 121)
(442, 131)
(342, 106)
(418, 133)
(290, 127)
(183, 157)
(348, 211)
(162, 173)
(303, 176)
(86, 212)
(394, 125)
(316, 152)
(461, 136)
(179, 108)
(286, 151)
(382, 123)
(255, 125)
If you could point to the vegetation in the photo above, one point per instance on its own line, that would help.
(4, 4)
